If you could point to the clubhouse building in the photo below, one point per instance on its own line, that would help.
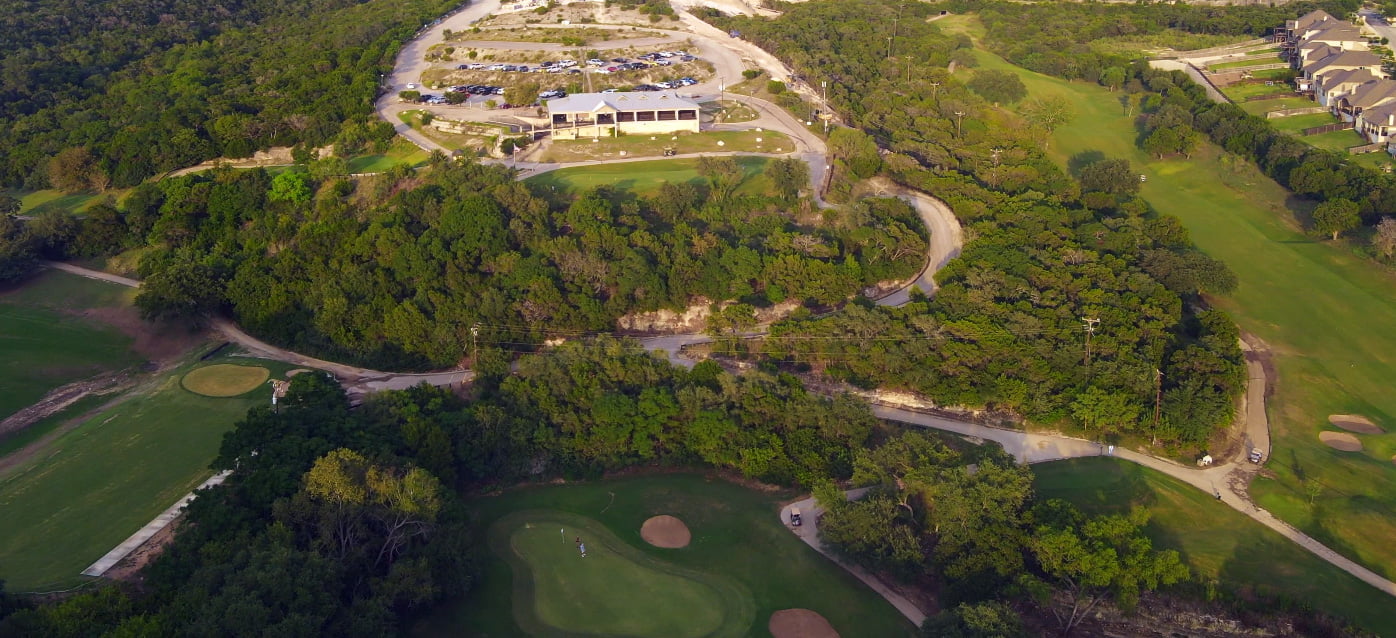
(584, 115)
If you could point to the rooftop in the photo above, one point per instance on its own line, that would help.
(631, 101)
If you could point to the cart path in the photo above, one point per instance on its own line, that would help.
(808, 531)
(355, 379)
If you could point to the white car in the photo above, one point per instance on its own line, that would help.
(596, 62)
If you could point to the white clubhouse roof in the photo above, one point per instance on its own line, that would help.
(628, 101)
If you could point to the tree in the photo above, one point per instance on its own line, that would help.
(1091, 559)
(857, 150)
(9, 206)
(1109, 176)
(788, 175)
(1384, 239)
(989, 619)
(182, 289)
(291, 187)
(1105, 411)
(1335, 216)
(525, 93)
(1048, 113)
(999, 87)
(17, 254)
(1112, 78)
(74, 169)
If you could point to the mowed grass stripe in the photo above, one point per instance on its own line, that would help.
(99, 483)
(1326, 312)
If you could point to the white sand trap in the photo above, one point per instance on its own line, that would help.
(1340, 441)
(1355, 423)
(665, 531)
(800, 623)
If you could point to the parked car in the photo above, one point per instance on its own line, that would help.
(619, 60)
(611, 91)
(1256, 456)
(664, 63)
(596, 62)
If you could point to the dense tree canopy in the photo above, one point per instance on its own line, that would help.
(1044, 253)
(115, 91)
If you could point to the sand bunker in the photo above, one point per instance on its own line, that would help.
(800, 623)
(1340, 441)
(1355, 423)
(292, 373)
(665, 531)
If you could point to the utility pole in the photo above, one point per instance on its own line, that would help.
(1089, 325)
(1158, 401)
(959, 117)
(474, 345)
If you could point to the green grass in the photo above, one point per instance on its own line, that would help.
(615, 589)
(44, 343)
(645, 178)
(1335, 140)
(1239, 92)
(42, 427)
(1326, 312)
(401, 152)
(1262, 107)
(1295, 124)
(585, 150)
(1217, 542)
(38, 202)
(736, 536)
(100, 482)
(1275, 59)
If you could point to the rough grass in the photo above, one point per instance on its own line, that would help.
(224, 379)
(44, 343)
(1265, 106)
(1217, 542)
(39, 202)
(641, 145)
(1239, 92)
(99, 483)
(1254, 61)
(1326, 312)
(401, 152)
(645, 178)
(737, 535)
(615, 589)
(1295, 124)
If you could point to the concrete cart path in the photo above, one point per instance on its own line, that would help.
(151, 529)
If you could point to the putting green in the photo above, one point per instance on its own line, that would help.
(615, 590)
(224, 379)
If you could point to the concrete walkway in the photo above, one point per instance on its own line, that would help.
(150, 530)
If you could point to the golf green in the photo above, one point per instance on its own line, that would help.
(615, 589)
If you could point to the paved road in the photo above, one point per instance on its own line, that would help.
(947, 239)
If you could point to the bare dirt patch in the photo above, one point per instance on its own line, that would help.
(1355, 423)
(292, 373)
(800, 623)
(60, 398)
(665, 531)
(1340, 441)
(153, 341)
(128, 570)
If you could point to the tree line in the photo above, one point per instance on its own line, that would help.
(352, 522)
(1072, 302)
(111, 93)
(412, 269)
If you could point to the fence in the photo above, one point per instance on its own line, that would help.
(1271, 96)
(1327, 128)
(1304, 110)
(1366, 148)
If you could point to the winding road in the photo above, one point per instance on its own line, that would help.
(1227, 481)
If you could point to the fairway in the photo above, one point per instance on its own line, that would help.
(100, 482)
(1326, 313)
(645, 178)
(615, 589)
(1217, 542)
(46, 343)
(740, 553)
(224, 379)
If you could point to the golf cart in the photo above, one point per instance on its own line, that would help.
(669, 152)
(795, 517)
(1255, 456)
